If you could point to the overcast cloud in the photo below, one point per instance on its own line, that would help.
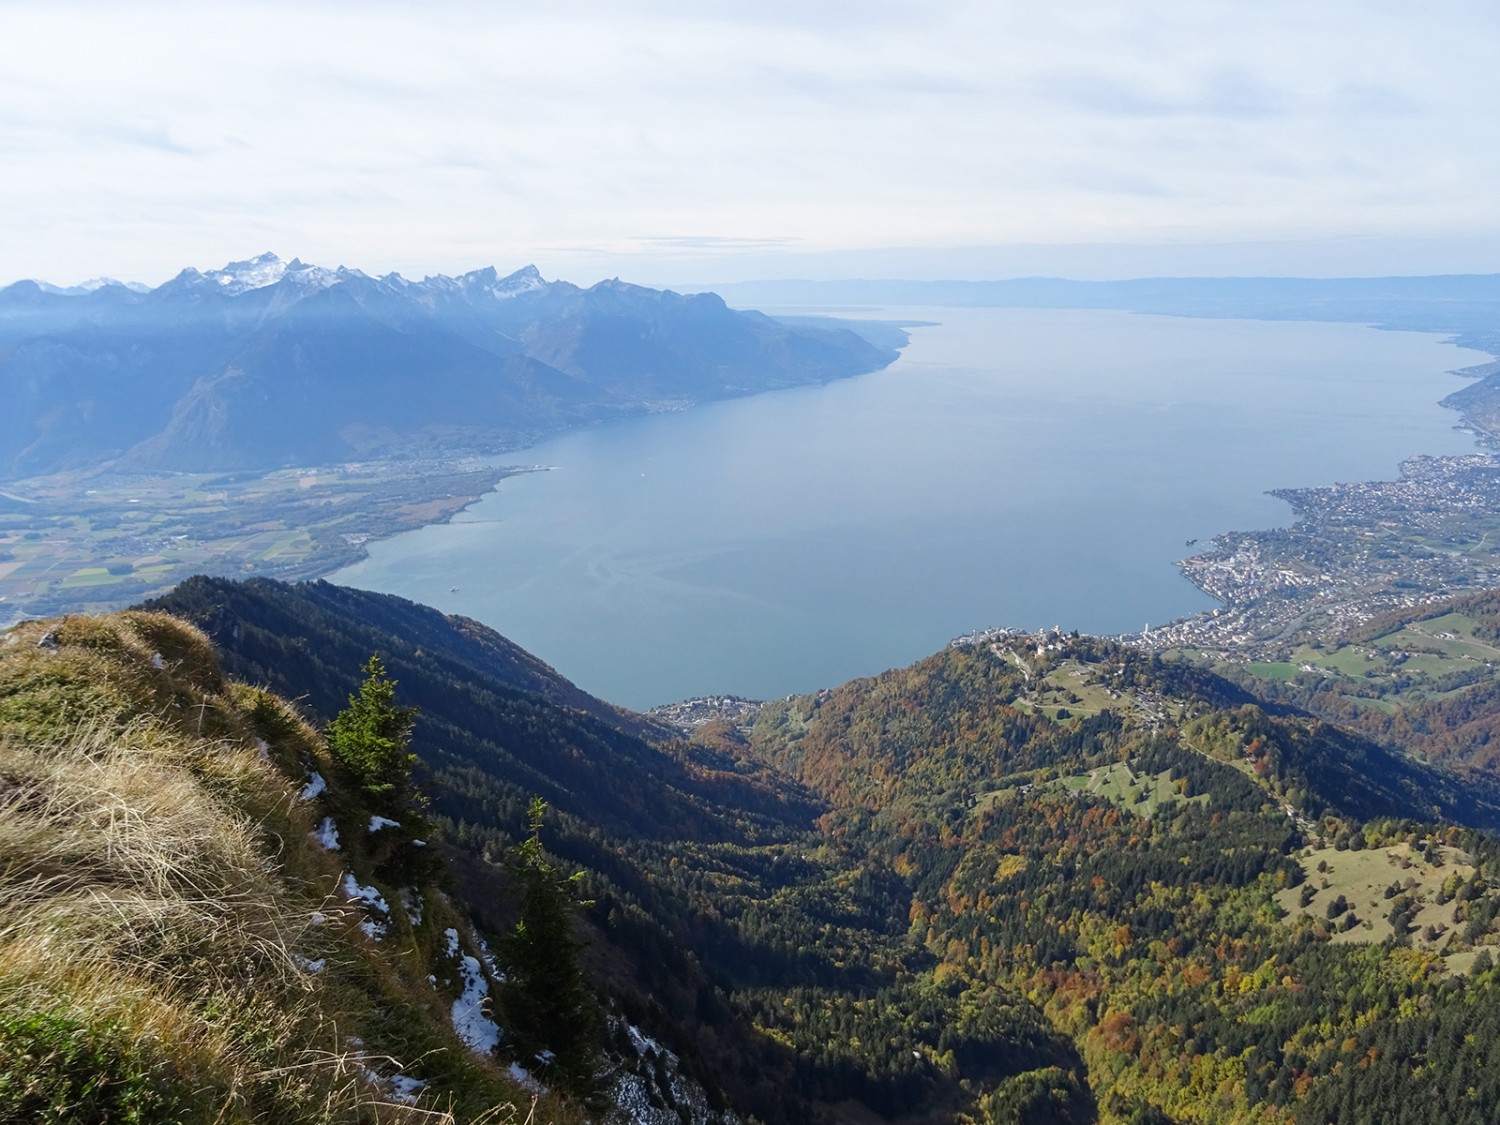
(709, 141)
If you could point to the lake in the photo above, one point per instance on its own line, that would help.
(1014, 467)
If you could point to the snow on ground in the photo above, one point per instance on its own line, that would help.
(489, 962)
(479, 1033)
(522, 1077)
(411, 902)
(373, 901)
(404, 1089)
(315, 785)
(379, 822)
(327, 834)
(643, 1042)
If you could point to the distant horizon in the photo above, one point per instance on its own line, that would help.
(697, 144)
(1307, 260)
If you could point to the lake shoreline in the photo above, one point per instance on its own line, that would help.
(1025, 468)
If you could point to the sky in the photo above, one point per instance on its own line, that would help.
(690, 142)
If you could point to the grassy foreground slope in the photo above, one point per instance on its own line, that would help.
(179, 941)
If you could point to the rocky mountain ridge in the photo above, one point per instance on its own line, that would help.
(265, 363)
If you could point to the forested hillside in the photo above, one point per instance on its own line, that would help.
(208, 913)
(1039, 879)
(1426, 680)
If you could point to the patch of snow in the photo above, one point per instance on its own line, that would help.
(632, 1097)
(397, 1087)
(419, 843)
(405, 1089)
(647, 1092)
(318, 918)
(643, 1043)
(157, 662)
(327, 834)
(489, 961)
(522, 1077)
(315, 785)
(411, 902)
(372, 900)
(265, 749)
(478, 1032)
(307, 965)
(379, 822)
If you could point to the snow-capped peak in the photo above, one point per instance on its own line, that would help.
(83, 288)
(487, 282)
(254, 273)
(298, 272)
(524, 280)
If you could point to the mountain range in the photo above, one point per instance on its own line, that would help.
(266, 363)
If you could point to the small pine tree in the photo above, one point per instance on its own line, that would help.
(370, 739)
(545, 998)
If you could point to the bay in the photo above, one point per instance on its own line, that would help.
(1014, 467)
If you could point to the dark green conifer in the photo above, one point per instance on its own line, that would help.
(370, 739)
(546, 1002)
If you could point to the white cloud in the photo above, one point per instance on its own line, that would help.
(684, 137)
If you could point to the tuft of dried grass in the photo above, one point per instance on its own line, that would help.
(139, 890)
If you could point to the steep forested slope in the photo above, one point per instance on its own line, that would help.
(1219, 905)
(716, 897)
(1039, 879)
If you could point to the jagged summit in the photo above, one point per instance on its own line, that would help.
(264, 362)
(253, 273)
(267, 269)
(83, 288)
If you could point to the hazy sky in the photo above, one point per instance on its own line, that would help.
(697, 141)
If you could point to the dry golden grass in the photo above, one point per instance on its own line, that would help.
(156, 882)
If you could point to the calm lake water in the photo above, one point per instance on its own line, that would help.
(1012, 468)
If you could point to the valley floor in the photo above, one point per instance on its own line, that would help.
(93, 542)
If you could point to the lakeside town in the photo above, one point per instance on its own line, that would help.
(1356, 552)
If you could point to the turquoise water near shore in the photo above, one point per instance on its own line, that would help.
(1014, 467)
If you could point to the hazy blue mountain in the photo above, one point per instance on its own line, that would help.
(1454, 303)
(265, 363)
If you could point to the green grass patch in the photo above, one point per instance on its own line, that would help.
(1142, 794)
(1273, 670)
(62, 1071)
(90, 576)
